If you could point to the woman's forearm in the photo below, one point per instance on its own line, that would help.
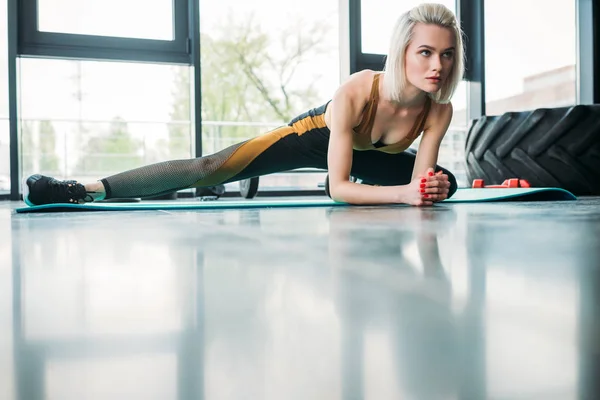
(355, 193)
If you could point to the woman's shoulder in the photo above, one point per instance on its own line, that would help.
(364, 75)
(360, 81)
(356, 89)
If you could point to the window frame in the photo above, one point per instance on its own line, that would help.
(33, 42)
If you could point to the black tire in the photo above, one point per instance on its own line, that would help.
(249, 187)
(553, 147)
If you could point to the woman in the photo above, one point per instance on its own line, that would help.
(363, 131)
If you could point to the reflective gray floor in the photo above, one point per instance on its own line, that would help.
(480, 301)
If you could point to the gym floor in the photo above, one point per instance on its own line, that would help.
(457, 301)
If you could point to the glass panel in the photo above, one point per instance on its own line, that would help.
(4, 156)
(85, 119)
(140, 19)
(253, 76)
(532, 64)
(378, 18)
(6, 293)
(452, 149)
(4, 128)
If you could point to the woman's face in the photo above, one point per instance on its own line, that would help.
(430, 57)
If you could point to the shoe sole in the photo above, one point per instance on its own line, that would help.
(25, 189)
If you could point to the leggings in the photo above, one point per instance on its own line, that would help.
(302, 143)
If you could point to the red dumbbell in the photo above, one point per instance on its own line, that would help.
(508, 183)
(477, 184)
(524, 184)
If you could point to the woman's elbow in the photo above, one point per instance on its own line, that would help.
(338, 198)
(335, 193)
(332, 189)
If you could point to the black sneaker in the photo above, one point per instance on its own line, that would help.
(39, 189)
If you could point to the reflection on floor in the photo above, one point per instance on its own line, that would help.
(463, 301)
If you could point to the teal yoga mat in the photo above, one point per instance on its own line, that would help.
(461, 196)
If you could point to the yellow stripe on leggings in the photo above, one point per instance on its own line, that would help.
(249, 150)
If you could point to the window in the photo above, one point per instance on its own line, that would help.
(153, 19)
(532, 64)
(128, 30)
(452, 149)
(4, 125)
(85, 120)
(251, 61)
(378, 18)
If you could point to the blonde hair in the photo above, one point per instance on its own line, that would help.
(395, 75)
